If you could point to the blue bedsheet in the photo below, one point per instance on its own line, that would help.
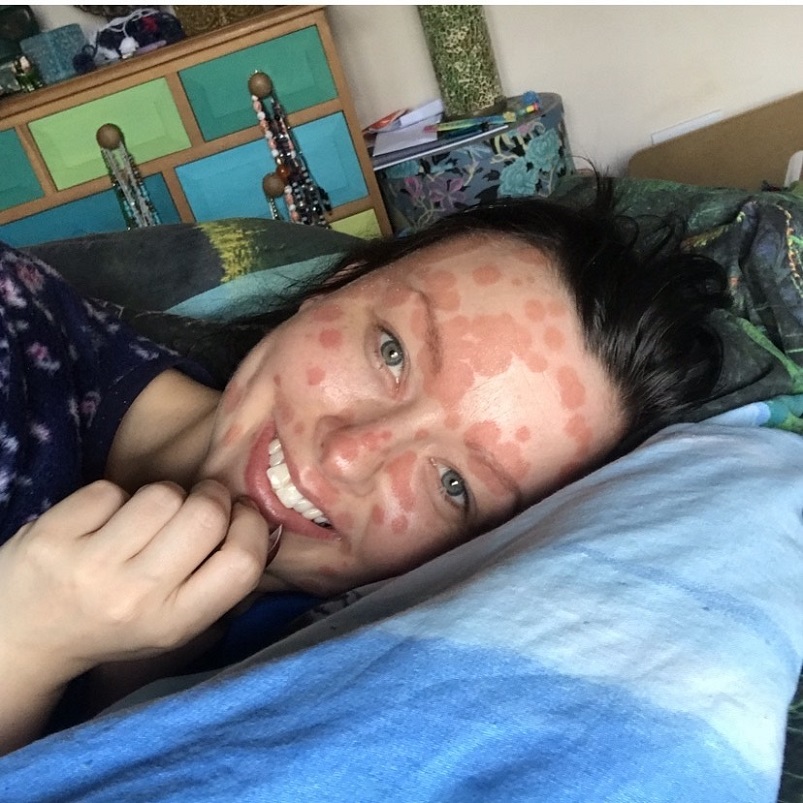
(635, 637)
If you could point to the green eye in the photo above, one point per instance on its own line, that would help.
(391, 353)
(454, 486)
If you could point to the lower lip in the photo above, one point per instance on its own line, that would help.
(260, 490)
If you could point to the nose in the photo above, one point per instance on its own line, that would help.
(354, 453)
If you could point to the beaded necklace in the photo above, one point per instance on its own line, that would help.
(306, 201)
(132, 194)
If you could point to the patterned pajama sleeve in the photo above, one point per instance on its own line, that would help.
(69, 370)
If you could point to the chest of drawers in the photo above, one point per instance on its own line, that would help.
(186, 115)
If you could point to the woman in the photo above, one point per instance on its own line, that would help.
(433, 387)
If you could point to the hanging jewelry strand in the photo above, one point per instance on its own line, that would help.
(306, 201)
(132, 194)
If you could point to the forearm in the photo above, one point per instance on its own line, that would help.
(29, 691)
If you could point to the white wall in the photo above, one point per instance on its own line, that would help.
(53, 16)
(624, 72)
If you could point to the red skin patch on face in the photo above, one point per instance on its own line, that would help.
(523, 434)
(377, 514)
(398, 525)
(330, 338)
(487, 435)
(343, 448)
(501, 338)
(452, 421)
(299, 428)
(440, 286)
(277, 380)
(554, 338)
(487, 476)
(577, 428)
(418, 323)
(480, 346)
(421, 434)
(486, 274)
(454, 382)
(232, 397)
(284, 412)
(535, 310)
(327, 312)
(315, 375)
(396, 295)
(537, 363)
(373, 441)
(232, 434)
(401, 479)
(572, 390)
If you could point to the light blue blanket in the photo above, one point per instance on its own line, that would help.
(635, 637)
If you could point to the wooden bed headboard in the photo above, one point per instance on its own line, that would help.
(741, 151)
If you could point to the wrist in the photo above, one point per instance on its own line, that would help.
(39, 667)
(32, 686)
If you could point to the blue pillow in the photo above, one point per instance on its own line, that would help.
(637, 636)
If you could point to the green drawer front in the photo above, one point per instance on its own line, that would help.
(218, 89)
(18, 182)
(146, 114)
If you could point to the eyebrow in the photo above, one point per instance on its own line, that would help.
(484, 456)
(432, 335)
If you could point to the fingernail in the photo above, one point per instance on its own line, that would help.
(273, 538)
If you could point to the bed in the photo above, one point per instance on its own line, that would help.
(637, 636)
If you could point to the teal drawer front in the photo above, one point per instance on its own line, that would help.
(96, 213)
(18, 183)
(229, 184)
(218, 89)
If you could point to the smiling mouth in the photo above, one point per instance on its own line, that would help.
(287, 493)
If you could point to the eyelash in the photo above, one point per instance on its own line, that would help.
(450, 498)
(385, 338)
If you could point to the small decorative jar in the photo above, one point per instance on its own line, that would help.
(53, 51)
(526, 158)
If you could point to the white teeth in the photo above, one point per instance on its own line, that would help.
(279, 476)
(288, 494)
(277, 457)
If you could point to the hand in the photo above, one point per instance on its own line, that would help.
(103, 577)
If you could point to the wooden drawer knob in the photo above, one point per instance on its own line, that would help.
(273, 186)
(109, 136)
(260, 85)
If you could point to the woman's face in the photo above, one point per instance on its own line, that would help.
(386, 422)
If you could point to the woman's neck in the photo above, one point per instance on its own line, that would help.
(165, 433)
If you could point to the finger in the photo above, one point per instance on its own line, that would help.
(195, 531)
(230, 574)
(84, 511)
(139, 521)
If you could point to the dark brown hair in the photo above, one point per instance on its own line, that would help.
(644, 304)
